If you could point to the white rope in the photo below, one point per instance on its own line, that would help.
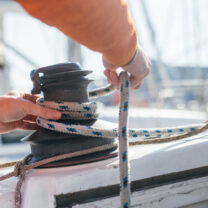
(101, 91)
(142, 134)
(87, 111)
(72, 110)
(123, 141)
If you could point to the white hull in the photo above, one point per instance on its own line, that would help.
(158, 170)
(186, 194)
(41, 186)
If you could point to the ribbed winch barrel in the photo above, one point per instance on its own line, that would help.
(61, 83)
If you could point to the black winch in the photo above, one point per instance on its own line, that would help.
(66, 82)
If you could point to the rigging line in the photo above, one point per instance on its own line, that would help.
(162, 70)
(197, 46)
(151, 82)
(197, 55)
(20, 54)
(169, 21)
(186, 26)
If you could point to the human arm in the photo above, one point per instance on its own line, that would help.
(102, 25)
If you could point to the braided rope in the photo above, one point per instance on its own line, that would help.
(8, 164)
(101, 91)
(79, 111)
(203, 127)
(72, 110)
(123, 141)
(86, 111)
(142, 134)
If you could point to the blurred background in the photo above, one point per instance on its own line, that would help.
(173, 33)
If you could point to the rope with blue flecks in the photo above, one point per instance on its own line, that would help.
(123, 141)
(88, 111)
(84, 111)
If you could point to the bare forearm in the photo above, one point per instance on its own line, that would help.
(102, 25)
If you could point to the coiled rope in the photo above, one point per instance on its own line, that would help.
(83, 111)
(86, 111)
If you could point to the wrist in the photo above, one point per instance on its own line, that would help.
(139, 64)
(132, 59)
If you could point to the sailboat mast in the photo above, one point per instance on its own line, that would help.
(4, 71)
(161, 68)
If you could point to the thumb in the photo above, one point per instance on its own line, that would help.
(47, 113)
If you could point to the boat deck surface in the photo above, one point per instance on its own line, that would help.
(146, 161)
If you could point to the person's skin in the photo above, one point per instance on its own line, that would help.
(19, 111)
(138, 69)
(104, 26)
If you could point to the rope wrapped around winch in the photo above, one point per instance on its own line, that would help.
(83, 111)
(86, 111)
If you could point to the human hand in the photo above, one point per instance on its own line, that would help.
(19, 111)
(139, 68)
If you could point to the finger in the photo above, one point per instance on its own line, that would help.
(30, 118)
(30, 97)
(28, 125)
(10, 126)
(107, 74)
(36, 110)
(114, 78)
(110, 81)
